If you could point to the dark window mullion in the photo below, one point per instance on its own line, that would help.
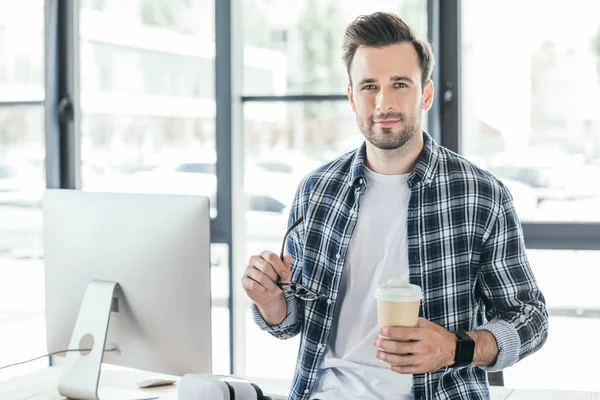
(562, 236)
(24, 103)
(448, 91)
(61, 36)
(296, 97)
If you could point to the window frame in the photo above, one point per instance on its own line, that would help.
(62, 108)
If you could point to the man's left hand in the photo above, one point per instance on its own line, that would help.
(425, 348)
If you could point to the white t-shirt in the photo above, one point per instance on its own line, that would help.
(378, 252)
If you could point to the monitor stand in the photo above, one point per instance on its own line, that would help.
(81, 372)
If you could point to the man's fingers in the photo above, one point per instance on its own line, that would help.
(252, 285)
(277, 264)
(266, 268)
(261, 278)
(402, 333)
(425, 323)
(396, 359)
(287, 260)
(408, 370)
(394, 346)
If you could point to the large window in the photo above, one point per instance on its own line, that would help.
(293, 48)
(147, 97)
(22, 181)
(530, 97)
(530, 91)
(21, 51)
(280, 151)
(148, 113)
(296, 47)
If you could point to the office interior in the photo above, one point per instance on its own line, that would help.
(238, 100)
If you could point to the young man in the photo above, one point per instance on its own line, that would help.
(399, 207)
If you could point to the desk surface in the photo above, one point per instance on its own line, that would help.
(42, 385)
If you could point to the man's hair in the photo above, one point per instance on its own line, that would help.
(383, 29)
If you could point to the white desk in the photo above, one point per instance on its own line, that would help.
(42, 385)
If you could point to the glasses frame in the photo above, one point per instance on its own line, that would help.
(301, 292)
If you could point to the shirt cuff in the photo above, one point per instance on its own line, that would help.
(508, 341)
(291, 316)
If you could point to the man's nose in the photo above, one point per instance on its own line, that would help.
(384, 102)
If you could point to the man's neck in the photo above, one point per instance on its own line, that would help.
(394, 162)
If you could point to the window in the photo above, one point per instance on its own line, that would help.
(300, 42)
(567, 360)
(22, 182)
(293, 48)
(22, 51)
(148, 104)
(530, 103)
(148, 113)
(284, 142)
(529, 115)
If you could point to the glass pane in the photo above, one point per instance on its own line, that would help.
(147, 87)
(283, 143)
(21, 50)
(219, 254)
(567, 361)
(530, 103)
(22, 182)
(296, 47)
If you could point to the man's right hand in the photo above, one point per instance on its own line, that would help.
(259, 284)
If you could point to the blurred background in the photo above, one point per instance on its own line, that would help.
(167, 100)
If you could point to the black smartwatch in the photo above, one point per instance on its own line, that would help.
(465, 348)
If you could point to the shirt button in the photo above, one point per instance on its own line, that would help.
(328, 301)
(338, 256)
(306, 391)
(360, 181)
(319, 346)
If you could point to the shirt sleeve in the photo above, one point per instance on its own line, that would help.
(288, 328)
(514, 305)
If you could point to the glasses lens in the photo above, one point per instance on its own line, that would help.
(307, 297)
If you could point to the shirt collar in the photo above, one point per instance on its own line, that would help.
(423, 172)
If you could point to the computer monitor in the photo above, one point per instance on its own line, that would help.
(130, 272)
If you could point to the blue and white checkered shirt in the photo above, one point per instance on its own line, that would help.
(465, 249)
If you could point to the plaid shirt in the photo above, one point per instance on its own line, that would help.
(465, 249)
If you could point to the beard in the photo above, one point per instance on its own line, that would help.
(388, 138)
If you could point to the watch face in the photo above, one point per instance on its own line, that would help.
(465, 348)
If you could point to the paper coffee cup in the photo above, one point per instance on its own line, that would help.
(398, 303)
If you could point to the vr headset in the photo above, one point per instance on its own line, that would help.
(217, 387)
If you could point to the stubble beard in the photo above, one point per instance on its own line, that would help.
(387, 139)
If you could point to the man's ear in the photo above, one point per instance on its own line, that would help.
(428, 95)
(351, 97)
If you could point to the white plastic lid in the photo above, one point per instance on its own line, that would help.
(398, 290)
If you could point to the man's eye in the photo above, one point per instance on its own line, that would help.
(368, 87)
(401, 85)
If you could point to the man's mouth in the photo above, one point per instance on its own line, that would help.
(386, 122)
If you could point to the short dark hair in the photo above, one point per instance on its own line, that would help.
(383, 29)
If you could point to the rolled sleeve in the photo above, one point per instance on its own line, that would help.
(508, 341)
(289, 327)
(515, 307)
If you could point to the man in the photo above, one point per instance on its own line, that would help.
(399, 207)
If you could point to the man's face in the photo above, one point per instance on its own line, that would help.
(386, 94)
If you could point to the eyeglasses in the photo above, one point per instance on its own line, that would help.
(291, 287)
